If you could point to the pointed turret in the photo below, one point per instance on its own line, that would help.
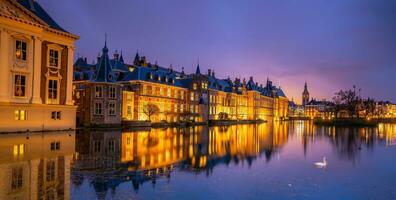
(198, 71)
(136, 61)
(104, 69)
(121, 58)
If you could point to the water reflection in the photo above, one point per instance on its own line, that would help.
(36, 165)
(48, 165)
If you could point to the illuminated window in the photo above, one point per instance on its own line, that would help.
(128, 140)
(169, 92)
(19, 85)
(52, 89)
(194, 86)
(98, 91)
(18, 149)
(50, 170)
(129, 110)
(112, 92)
(98, 108)
(17, 178)
(192, 96)
(54, 58)
(20, 115)
(112, 109)
(56, 115)
(78, 94)
(20, 50)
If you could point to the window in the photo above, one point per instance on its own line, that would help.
(20, 85)
(19, 149)
(111, 146)
(112, 109)
(98, 91)
(20, 50)
(192, 96)
(98, 109)
(129, 110)
(54, 58)
(17, 178)
(194, 86)
(96, 147)
(56, 115)
(112, 92)
(52, 89)
(128, 141)
(55, 146)
(20, 115)
(50, 170)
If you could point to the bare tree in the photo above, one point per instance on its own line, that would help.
(150, 109)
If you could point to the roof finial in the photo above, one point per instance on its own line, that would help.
(105, 39)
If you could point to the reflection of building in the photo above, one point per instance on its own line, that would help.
(108, 159)
(36, 166)
(175, 96)
(36, 65)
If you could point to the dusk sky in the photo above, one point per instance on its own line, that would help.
(330, 44)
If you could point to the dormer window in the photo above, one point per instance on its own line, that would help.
(20, 50)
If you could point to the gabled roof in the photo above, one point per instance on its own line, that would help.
(37, 10)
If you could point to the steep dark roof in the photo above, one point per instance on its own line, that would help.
(104, 69)
(37, 10)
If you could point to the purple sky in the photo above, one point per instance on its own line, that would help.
(330, 44)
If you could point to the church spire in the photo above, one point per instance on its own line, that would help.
(198, 71)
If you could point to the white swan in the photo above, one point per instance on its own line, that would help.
(321, 164)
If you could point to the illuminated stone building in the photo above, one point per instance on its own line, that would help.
(177, 96)
(98, 96)
(36, 166)
(318, 109)
(36, 65)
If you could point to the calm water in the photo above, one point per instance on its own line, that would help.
(267, 161)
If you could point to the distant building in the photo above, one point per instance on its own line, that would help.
(36, 66)
(99, 96)
(319, 109)
(305, 95)
(177, 96)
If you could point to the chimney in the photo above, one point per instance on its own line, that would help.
(213, 74)
(251, 78)
(98, 58)
(209, 72)
(85, 59)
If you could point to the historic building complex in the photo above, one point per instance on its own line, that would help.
(110, 91)
(36, 66)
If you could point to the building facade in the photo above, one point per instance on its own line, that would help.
(149, 92)
(36, 63)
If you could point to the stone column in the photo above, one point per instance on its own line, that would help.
(69, 84)
(36, 76)
(4, 66)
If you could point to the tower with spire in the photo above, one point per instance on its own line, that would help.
(305, 95)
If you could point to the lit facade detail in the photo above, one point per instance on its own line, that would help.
(175, 96)
(36, 65)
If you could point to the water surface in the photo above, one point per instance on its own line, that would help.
(266, 161)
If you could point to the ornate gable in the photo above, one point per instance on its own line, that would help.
(11, 9)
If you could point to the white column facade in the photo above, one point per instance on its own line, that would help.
(69, 84)
(4, 66)
(36, 76)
